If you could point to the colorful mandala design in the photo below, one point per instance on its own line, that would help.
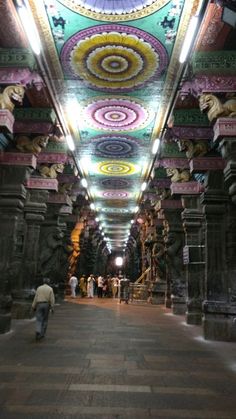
(115, 183)
(114, 146)
(117, 168)
(114, 10)
(113, 57)
(118, 114)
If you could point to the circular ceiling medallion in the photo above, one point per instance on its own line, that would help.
(114, 146)
(117, 10)
(116, 210)
(115, 194)
(117, 168)
(114, 57)
(118, 114)
(115, 183)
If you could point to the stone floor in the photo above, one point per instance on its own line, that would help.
(106, 360)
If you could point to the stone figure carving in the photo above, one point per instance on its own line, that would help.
(51, 171)
(215, 108)
(158, 253)
(178, 175)
(192, 149)
(10, 95)
(35, 146)
(174, 258)
(56, 248)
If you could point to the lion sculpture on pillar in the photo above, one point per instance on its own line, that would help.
(10, 95)
(215, 108)
(178, 175)
(35, 146)
(52, 171)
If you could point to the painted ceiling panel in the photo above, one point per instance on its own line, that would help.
(114, 63)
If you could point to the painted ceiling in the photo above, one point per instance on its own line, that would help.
(114, 64)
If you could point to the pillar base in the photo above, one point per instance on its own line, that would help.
(219, 321)
(179, 305)
(168, 302)
(5, 323)
(194, 311)
(22, 310)
(194, 318)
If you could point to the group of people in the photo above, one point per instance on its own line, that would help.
(44, 299)
(96, 285)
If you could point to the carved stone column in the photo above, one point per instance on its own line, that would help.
(192, 217)
(158, 254)
(217, 319)
(225, 137)
(34, 210)
(12, 227)
(55, 246)
(174, 256)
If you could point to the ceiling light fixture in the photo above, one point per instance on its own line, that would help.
(30, 28)
(84, 183)
(70, 142)
(143, 186)
(188, 39)
(156, 146)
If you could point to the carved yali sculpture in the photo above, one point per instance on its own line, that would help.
(174, 260)
(214, 108)
(35, 146)
(178, 175)
(51, 171)
(65, 188)
(10, 95)
(191, 148)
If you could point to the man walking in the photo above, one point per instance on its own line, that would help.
(44, 300)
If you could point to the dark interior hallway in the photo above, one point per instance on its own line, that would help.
(105, 360)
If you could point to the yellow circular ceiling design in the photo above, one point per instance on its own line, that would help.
(114, 58)
(117, 168)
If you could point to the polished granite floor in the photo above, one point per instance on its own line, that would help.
(106, 360)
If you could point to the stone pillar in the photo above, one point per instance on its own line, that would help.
(216, 319)
(158, 254)
(34, 210)
(225, 137)
(192, 217)
(55, 247)
(12, 227)
(174, 257)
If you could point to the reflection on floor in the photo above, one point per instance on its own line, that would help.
(102, 359)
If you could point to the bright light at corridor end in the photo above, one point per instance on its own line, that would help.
(29, 26)
(188, 39)
(119, 261)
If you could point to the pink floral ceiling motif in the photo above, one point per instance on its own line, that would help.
(117, 114)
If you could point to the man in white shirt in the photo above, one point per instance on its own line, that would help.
(100, 286)
(73, 284)
(44, 300)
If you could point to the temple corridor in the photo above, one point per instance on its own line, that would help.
(101, 359)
